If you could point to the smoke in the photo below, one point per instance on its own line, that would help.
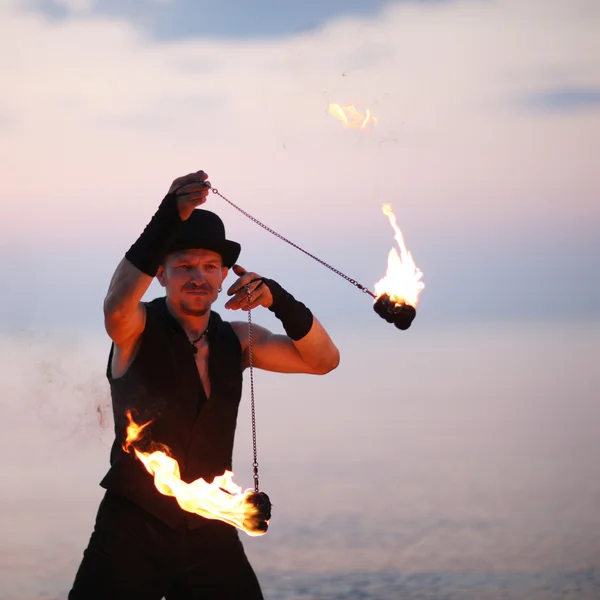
(53, 390)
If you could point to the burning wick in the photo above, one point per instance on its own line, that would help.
(221, 499)
(401, 315)
(398, 292)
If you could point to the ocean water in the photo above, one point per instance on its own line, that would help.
(460, 464)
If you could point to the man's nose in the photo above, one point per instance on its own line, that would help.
(198, 275)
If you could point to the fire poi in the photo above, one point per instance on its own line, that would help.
(396, 294)
(395, 300)
(220, 499)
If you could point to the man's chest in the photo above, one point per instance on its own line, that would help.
(201, 360)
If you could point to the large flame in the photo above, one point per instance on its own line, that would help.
(221, 499)
(350, 117)
(402, 281)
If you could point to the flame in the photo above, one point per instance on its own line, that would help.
(350, 117)
(134, 431)
(402, 281)
(221, 499)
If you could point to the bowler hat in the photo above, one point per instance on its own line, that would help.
(205, 230)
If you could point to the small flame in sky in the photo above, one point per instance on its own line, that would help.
(351, 117)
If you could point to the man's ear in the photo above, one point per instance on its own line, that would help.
(161, 275)
(225, 271)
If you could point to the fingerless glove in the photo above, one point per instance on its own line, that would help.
(295, 317)
(150, 248)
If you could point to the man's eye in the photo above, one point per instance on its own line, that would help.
(184, 267)
(211, 267)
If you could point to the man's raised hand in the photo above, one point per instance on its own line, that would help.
(191, 191)
(260, 294)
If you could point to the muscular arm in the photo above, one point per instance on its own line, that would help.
(315, 353)
(124, 314)
(306, 347)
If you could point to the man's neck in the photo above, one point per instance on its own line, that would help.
(193, 325)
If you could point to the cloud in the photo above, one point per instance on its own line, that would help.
(565, 99)
(75, 6)
(179, 19)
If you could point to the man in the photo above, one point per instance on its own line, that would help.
(175, 362)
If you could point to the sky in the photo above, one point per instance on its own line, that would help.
(485, 147)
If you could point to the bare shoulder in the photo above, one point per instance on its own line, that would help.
(259, 333)
(241, 330)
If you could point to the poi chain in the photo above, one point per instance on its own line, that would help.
(252, 410)
(400, 313)
(336, 271)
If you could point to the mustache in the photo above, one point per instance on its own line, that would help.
(198, 288)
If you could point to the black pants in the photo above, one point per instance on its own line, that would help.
(134, 556)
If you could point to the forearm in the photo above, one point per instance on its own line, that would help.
(317, 349)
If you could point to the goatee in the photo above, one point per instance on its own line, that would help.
(193, 312)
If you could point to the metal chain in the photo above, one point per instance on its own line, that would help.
(252, 409)
(361, 287)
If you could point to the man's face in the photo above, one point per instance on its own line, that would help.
(192, 279)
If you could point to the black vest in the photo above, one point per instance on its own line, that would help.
(162, 385)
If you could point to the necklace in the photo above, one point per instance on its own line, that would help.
(194, 342)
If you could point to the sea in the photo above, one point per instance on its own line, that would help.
(462, 463)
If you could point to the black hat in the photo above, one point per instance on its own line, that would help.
(204, 229)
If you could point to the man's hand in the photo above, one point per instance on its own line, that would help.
(191, 191)
(260, 295)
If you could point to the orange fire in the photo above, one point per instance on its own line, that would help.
(402, 281)
(222, 499)
(351, 117)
